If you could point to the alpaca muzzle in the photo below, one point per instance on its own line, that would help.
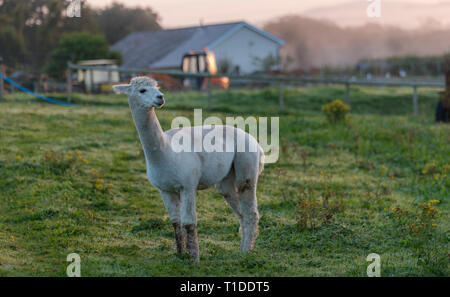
(160, 103)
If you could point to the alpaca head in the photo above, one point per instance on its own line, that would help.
(142, 91)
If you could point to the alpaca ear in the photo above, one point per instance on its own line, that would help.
(122, 89)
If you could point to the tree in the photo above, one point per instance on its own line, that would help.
(268, 63)
(79, 46)
(11, 43)
(30, 29)
(117, 21)
(12, 20)
(52, 24)
(86, 23)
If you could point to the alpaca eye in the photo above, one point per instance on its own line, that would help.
(143, 91)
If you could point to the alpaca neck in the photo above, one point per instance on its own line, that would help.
(150, 132)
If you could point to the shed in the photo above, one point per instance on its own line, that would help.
(92, 78)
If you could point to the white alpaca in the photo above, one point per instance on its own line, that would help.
(178, 175)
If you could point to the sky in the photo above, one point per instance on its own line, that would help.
(179, 13)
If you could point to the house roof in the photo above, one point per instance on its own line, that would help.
(165, 48)
(97, 62)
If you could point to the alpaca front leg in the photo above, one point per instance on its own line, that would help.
(180, 238)
(173, 206)
(192, 242)
(189, 222)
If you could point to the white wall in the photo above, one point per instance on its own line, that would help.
(241, 48)
(99, 77)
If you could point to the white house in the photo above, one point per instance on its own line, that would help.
(240, 44)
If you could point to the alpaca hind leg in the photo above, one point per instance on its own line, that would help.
(250, 218)
(173, 206)
(189, 222)
(247, 169)
(227, 188)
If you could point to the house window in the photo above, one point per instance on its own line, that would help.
(193, 64)
(201, 63)
(190, 64)
(186, 65)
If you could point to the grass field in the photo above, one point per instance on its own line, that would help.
(73, 180)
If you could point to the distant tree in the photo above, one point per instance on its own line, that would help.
(79, 46)
(11, 43)
(30, 29)
(86, 23)
(269, 62)
(12, 19)
(53, 23)
(117, 21)
(224, 66)
(316, 43)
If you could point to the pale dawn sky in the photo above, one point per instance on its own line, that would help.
(178, 13)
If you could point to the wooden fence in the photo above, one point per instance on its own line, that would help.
(280, 80)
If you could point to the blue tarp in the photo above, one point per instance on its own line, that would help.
(50, 100)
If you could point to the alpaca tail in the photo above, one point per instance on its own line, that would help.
(261, 157)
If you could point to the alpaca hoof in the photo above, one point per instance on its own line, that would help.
(194, 257)
(192, 242)
(194, 254)
(180, 249)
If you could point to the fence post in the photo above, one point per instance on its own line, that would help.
(281, 99)
(69, 84)
(415, 102)
(347, 94)
(209, 93)
(91, 74)
(110, 81)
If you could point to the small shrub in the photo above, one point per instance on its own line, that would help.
(420, 224)
(310, 214)
(420, 232)
(59, 162)
(98, 181)
(313, 212)
(429, 214)
(433, 182)
(304, 156)
(430, 168)
(318, 207)
(336, 111)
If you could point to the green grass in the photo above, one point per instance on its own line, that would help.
(376, 172)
